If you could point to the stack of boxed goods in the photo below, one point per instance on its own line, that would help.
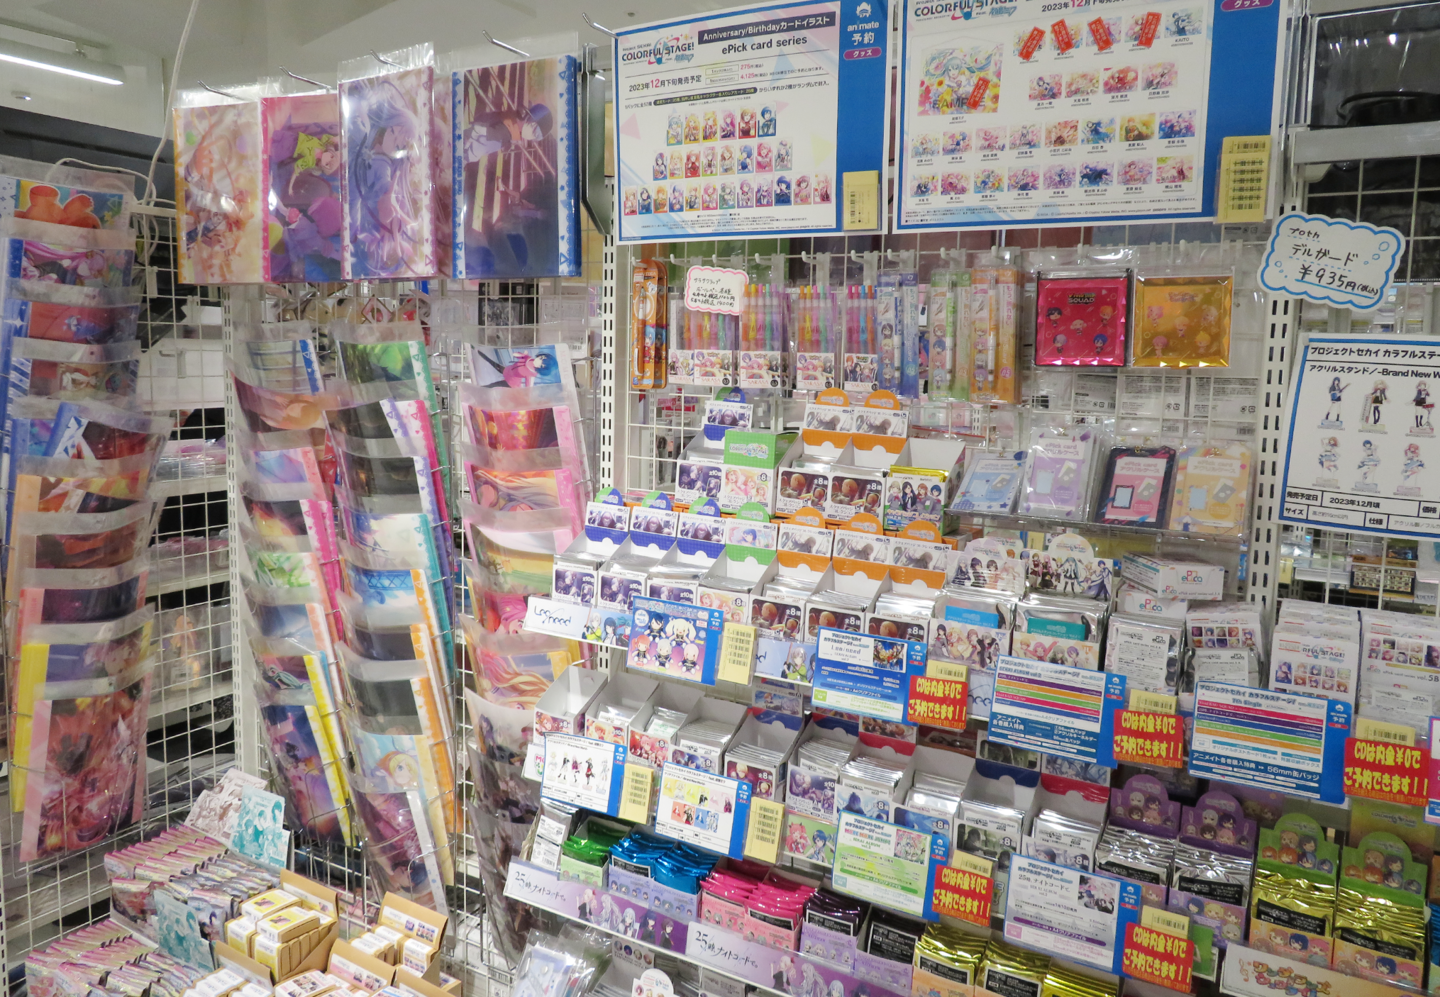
(400, 948)
(280, 934)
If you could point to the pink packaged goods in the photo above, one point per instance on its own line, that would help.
(1081, 320)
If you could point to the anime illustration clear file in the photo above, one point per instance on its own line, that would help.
(303, 158)
(387, 181)
(516, 170)
(217, 191)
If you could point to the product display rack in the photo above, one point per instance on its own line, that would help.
(191, 720)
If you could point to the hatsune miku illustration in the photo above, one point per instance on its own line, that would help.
(520, 165)
(1369, 464)
(1332, 418)
(1371, 412)
(302, 170)
(389, 216)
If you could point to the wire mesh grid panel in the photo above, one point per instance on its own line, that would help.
(1359, 569)
(1166, 403)
(190, 730)
(456, 315)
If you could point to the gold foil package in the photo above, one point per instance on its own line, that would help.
(1381, 918)
(1010, 970)
(947, 961)
(1292, 906)
(1062, 982)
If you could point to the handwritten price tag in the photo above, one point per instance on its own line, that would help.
(1347, 264)
(715, 289)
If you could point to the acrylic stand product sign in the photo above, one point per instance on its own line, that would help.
(584, 772)
(1072, 914)
(1361, 452)
(703, 809)
(1113, 113)
(858, 673)
(888, 864)
(728, 124)
(1056, 709)
(1271, 740)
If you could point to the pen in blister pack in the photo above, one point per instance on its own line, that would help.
(981, 336)
(1007, 335)
(938, 331)
(887, 326)
(681, 367)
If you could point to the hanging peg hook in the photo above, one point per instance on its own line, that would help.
(223, 93)
(380, 58)
(598, 27)
(497, 42)
(306, 79)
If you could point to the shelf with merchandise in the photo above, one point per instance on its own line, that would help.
(1093, 531)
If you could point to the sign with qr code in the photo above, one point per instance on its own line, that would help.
(729, 124)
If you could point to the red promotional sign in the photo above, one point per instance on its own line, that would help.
(1392, 773)
(1148, 29)
(937, 702)
(1100, 31)
(1155, 957)
(962, 894)
(1064, 40)
(1149, 739)
(978, 92)
(1031, 44)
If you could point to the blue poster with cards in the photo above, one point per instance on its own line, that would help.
(728, 124)
(1022, 112)
(858, 673)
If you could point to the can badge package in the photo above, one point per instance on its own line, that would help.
(302, 169)
(386, 124)
(516, 170)
(1381, 914)
(218, 179)
(1182, 321)
(1080, 319)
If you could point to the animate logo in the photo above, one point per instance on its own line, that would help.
(862, 11)
(668, 49)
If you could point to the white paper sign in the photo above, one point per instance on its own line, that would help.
(561, 619)
(715, 289)
(1346, 264)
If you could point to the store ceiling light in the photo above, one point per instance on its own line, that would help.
(61, 62)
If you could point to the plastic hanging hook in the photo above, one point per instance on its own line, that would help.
(497, 42)
(306, 79)
(222, 93)
(598, 27)
(381, 59)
